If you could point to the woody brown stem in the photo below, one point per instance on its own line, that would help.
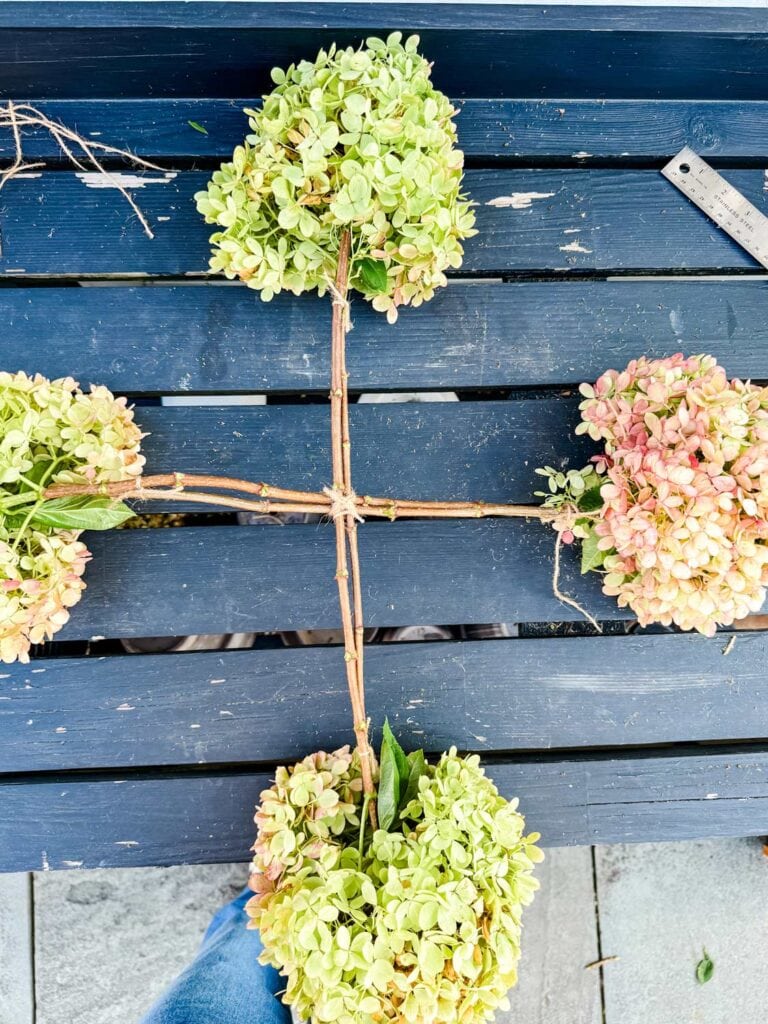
(346, 524)
(173, 487)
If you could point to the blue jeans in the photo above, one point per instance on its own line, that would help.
(224, 984)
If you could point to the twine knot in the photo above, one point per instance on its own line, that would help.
(343, 503)
(341, 301)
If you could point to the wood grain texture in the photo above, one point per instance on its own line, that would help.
(219, 339)
(228, 578)
(556, 221)
(625, 132)
(487, 696)
(201, 818)
(479, 50)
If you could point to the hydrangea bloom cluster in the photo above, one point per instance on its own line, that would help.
(51, 432)
(683, 524)
(421, 924)
(359, 140)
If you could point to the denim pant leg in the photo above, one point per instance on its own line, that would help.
(224, 984)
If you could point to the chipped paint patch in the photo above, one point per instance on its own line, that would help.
(581, 155)
(72, 863)
(61, 729)
(572, 231)
(117, 179)
(676, 322)
(163, 218)
(574, 246)
(125, 707)
(518, 200)
(126, 842)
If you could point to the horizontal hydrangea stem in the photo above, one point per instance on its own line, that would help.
(172, 487)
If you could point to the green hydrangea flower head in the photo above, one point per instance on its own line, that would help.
(359, 139)
(51, 432)
(425, 927)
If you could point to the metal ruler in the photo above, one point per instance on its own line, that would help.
(722, 202)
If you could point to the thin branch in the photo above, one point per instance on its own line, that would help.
(173, 486)
(16, 115)
(346, 524)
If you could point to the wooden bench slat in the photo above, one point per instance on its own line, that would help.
(549, 221)
(228, 578)
(577, 131)
(181, 709)
(449, 450)
(534, 51)
(204, 339)
(200, 819)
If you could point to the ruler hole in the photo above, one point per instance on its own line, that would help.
(685, 168)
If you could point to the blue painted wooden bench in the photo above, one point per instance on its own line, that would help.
(111, 759)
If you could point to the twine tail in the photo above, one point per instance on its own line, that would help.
(564, 597)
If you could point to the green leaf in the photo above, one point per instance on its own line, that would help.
(592, 500)
(39, 470)
(417, 765)
(83, 512)
(705, 968)
(389, 787)
(401, 761)
(591, 556)
(373, 275)
(198, 127)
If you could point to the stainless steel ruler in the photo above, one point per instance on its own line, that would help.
(722, 202)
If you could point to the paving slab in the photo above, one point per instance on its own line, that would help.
(107, 942)
(559, 940)
(16, 978)
(660, 906)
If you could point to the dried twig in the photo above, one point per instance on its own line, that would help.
(601, 962)
(16, 116)
(346, 523)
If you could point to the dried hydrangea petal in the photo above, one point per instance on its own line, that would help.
(426, 927)
(356, 139)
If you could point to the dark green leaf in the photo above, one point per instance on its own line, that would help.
(198, 127)
(373, 275)
(592, 500)
(417, 765)
(705, 968)
(591, 556)
(401, 761)
(39, 470)
(83, 512)
(389, 787)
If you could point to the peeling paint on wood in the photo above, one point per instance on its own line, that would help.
(518, 200)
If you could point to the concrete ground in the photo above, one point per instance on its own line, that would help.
(96, 947)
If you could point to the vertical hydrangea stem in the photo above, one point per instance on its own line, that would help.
(345, 522)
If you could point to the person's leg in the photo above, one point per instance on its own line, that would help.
(224, 984)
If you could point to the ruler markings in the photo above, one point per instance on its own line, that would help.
(727, 207)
